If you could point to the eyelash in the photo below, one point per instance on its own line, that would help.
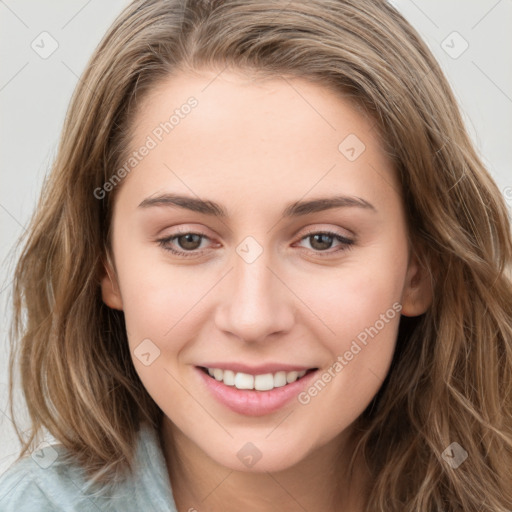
(163, 242)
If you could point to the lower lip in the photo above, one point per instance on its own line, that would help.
(252, 402)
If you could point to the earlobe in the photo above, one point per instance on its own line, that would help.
(109, 287)
(417, 293)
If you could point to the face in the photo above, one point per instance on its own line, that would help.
(286, 252)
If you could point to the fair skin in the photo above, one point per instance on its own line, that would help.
(254, 147)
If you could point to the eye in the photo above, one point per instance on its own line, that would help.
(321, 241)
(187, 240)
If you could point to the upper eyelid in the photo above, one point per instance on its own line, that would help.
(198, 231)
(187, 227)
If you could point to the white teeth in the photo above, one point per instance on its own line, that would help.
(292, 377)
(229, 378)
(244, 381)
(264, 382)
(280, 379)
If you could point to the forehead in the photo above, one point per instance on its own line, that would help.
(245, 135)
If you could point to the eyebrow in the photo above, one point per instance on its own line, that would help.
(295, 209)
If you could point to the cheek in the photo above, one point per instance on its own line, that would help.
(360, 310)
(156, 299)
(361, 354)
(363, 322)
(354, 296)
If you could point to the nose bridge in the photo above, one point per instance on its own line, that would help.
(256, 304)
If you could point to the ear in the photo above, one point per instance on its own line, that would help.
(110, 287)
(417, 293)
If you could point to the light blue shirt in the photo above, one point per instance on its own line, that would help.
(43, 483)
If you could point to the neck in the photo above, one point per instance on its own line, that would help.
(320, 482)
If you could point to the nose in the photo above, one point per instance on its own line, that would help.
(256, 303)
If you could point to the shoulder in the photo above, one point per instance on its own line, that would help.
(40, 482)
(49, 481)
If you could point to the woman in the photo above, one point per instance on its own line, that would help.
(268, 272)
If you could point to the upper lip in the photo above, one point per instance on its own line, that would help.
(257, 369)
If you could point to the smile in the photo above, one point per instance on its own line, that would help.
(261, 382)
(257, 393)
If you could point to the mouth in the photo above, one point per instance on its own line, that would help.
(259, 382)
(254, 390)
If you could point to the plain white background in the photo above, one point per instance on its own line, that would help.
(35, 91)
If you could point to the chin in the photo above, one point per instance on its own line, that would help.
(258, 456)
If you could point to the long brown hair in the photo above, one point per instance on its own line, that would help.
(451, 377)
